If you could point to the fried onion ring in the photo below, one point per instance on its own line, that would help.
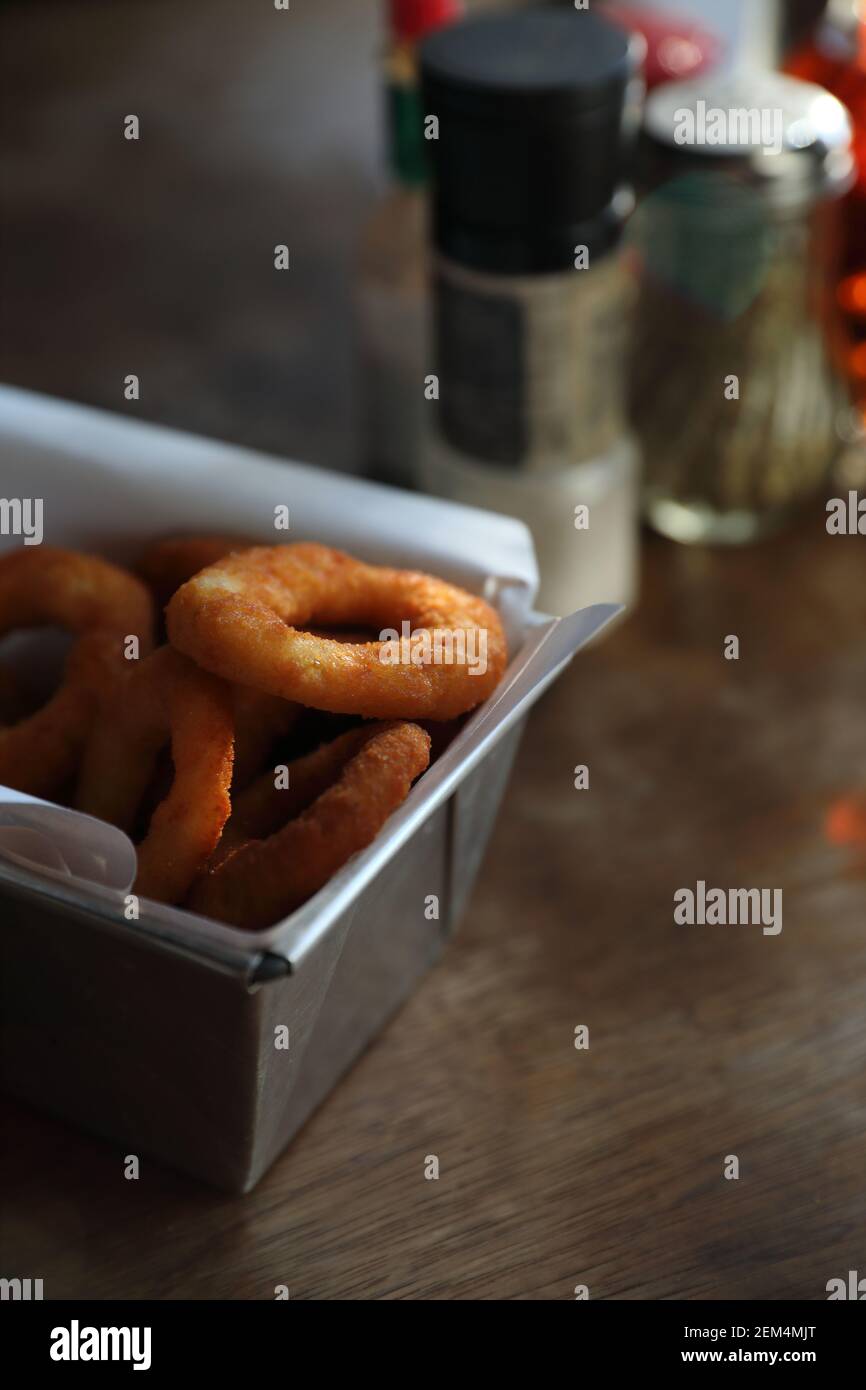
(167, 564)
(164, 697)
(265, 879)
(241, 619)
(263, 807)
(260, 719)
(100, 605)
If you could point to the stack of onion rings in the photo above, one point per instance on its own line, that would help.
(268, 803)
(265, 879)
(256, 634)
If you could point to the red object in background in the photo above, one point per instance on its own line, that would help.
(836, 59)
(676, 48)
(846, 821)
(411, 19)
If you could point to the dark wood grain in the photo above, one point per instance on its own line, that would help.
(558, 1167)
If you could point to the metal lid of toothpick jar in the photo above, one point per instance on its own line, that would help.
(732, 391)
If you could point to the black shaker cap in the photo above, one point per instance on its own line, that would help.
(537, 112)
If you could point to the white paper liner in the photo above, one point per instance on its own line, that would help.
(63, 844)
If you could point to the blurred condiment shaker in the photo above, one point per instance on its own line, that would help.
(535, 113)
(392, 290)
(732, 388)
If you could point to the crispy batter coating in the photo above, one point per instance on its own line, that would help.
(40, 753)
(167, 564)
(242, 618)
(260, 718)
(265, 879)
(164, 697)
(41, 586)
(262, 807)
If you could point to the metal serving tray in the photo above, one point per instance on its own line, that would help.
(161, 1034)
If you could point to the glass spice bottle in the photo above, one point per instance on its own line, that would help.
(537, 113)
(733, 391)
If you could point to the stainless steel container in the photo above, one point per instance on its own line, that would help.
(162, 1034)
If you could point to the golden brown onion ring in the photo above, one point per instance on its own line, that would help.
(100, 605)
(264, 807)
(242, 618)
(165, 697)
(167, 564)
(265, 879)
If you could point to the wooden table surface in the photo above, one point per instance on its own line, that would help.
(558, 1166)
